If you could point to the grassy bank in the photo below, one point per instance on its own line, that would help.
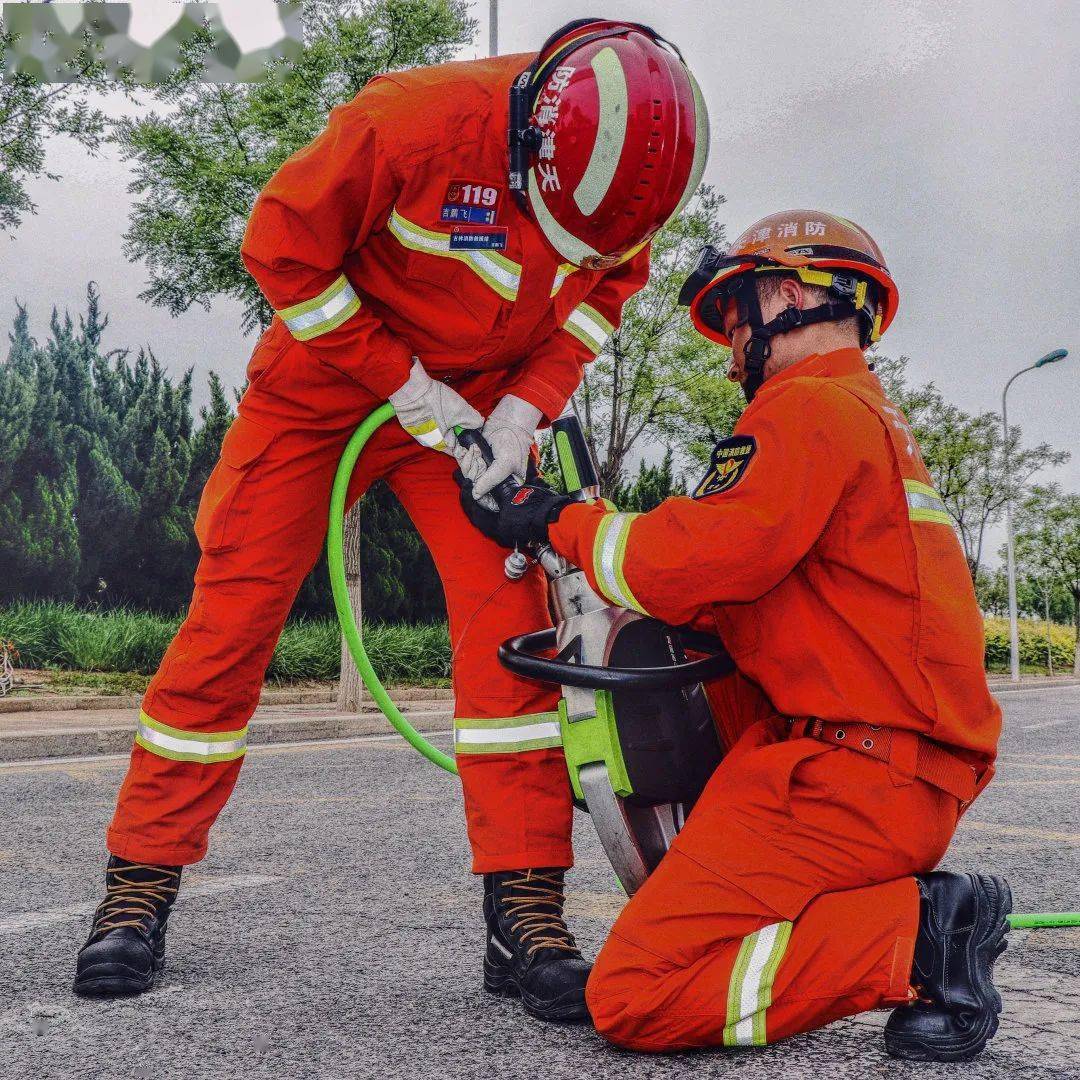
(60, 636)
(49, 635)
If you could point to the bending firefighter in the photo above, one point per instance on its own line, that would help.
(802, 887)
(460, 240)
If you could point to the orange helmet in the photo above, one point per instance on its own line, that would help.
(608, 139)
(821, 249)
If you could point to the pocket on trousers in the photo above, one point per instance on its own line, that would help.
(223, 511)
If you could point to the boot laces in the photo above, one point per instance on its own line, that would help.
(534, 906)
(134, 900)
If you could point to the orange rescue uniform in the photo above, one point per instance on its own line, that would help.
(393, 234)
(820, 553)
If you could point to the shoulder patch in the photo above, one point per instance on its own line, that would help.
(730, 460)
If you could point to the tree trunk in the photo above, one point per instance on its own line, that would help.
(350, 688)
(1076, 626)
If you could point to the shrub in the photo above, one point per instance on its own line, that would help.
(52, 635)
(1032, 644)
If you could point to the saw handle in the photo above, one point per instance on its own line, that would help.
(470, 437)
(519, 655)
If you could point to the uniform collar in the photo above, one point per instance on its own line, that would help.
(838, 364)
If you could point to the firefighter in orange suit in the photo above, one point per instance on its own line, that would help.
(460, 240)
(802, 887)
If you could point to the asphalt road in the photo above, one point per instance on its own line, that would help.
(333, 931)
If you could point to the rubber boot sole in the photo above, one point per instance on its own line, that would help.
(501, 982)
(117, 980)
(991, 931)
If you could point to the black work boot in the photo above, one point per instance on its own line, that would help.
(962, 928)
(126, 947)
(530, 953)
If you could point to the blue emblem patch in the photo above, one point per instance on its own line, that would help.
(465, 238)
(474, 215)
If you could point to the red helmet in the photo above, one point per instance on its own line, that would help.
(608, 139)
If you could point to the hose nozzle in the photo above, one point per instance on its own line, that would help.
(516, 565)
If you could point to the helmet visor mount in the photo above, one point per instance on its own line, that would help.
(848, 295)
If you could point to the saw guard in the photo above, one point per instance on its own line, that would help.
(638, 735)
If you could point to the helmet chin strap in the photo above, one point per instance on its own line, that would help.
(759, 348)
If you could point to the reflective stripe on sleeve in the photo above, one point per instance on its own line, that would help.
(206, 747)
(589, 327)
(509, 735)
(750, 987)
(609, 552)
(925, 504)
(495, 270)
(561, 274)
(427, 433)
(323, 313)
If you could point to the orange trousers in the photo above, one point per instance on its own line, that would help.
(786, 902)
(261, 526)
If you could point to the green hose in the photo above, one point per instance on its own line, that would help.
(335, 553)
(1045, 918)
(336, 556)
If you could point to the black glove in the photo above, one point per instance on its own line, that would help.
(523, 519)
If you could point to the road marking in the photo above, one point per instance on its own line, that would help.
(32, 920)
(1020, 830)
(1055, 781)
(1050, 724)
(1016, 764)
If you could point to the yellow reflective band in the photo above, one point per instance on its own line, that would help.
(542, 72)
(860, 295)
(495, 270)
(589, 327)
(561, 274)
(609, 554)
(610, 136)
(751, 983)
(507, 735)
(925, 504)
(875, 334)
(427, 433)
(701, 146)
(323, 313)
(206, 747)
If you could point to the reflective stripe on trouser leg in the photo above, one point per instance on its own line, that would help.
(750, 988)
(507, 735)
(208, 748)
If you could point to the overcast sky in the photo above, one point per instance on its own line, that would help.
(950, 131)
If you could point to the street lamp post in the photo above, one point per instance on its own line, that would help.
(1010, 552)
(493, 27)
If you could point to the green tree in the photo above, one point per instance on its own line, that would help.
(100, 468)
(652, 485)
(32, 110)
(1048, 537)
(197, 170)
(657, 377)
(199, 166)
(966, 456)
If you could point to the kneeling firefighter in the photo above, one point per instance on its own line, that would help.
(464, 260)
(802, 887)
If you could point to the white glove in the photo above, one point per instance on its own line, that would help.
(429, 411)
(510, 431)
